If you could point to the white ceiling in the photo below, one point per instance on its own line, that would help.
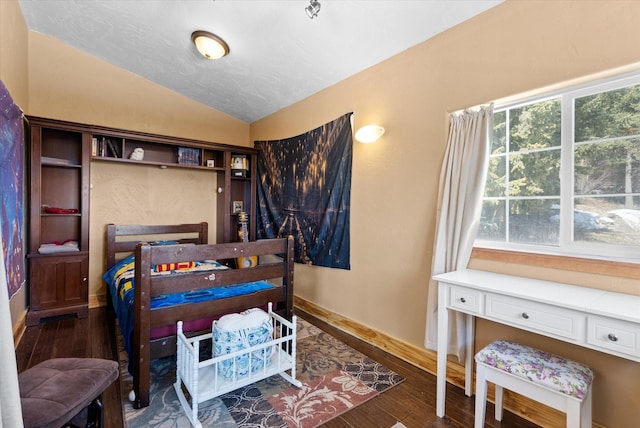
(278, 56)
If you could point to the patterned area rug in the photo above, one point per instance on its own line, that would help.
(335, 378)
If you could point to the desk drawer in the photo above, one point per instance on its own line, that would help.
(552, 320)
(465, 300)
(614, 335)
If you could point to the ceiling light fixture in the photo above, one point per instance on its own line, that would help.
(209, 45)
(369, 133)
(313, 8)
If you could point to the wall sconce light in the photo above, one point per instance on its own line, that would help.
(369, 133)
(209, 45)
(313, 8)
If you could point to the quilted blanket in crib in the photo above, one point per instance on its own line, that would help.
(234, 332)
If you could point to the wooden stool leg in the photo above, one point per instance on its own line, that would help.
(499, 396)
(481, 396)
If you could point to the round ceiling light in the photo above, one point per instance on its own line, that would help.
(313, 9)
(209, 45)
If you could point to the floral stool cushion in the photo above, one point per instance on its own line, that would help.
(543, 368)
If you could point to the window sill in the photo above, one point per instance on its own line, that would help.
(568, 263)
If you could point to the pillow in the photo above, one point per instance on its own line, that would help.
(166, 267)
(249, 319)
(127, 263)
(117, 269)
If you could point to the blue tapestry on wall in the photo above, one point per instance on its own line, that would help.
(304, 190)
(11, 188)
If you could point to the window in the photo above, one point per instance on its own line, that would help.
(564, 173)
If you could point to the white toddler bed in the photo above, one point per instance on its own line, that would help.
(206, 379)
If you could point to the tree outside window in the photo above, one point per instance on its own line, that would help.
(564, 173)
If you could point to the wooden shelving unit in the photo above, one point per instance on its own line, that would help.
(237, 189)
(58, 214)
(164, 151)
(60, 156)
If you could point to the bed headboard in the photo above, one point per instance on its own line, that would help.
(124, 238)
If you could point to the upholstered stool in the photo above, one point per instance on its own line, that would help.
(56, 390)
(552, 380)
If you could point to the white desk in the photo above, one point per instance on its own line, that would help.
(601, 320)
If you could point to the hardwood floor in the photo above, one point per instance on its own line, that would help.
(72, 337)
(412, 402)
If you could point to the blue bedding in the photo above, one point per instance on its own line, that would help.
(120, 280)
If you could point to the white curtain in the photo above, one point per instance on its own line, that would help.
(462, 181)
(10, 409)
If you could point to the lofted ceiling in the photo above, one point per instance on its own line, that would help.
(278, 56)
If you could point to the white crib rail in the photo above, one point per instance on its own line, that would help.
(202, 379)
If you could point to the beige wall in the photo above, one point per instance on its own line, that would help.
(125, 194)
(50, 79)
(13, 52)
(517, 47)
(67, 84)
(13, 73)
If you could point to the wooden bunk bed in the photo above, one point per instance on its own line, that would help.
(124, 240)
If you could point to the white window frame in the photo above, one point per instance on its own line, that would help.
(566, 246)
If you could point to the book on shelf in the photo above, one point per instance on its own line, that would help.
(188, 156)
(113, 149)
(102, 147)
(105, 147)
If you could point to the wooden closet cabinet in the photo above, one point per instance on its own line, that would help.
(58, 249)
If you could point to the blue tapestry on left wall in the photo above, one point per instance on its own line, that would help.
(11, 185)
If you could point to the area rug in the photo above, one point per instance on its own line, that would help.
(335, 378)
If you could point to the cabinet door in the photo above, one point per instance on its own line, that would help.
(58, 281)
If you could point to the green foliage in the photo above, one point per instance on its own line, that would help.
(535, 126)
(525, 163)
(610, 114)
(609, 161)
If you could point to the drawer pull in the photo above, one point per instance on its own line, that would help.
(525, 315)
(612, 337)
(463, 300)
